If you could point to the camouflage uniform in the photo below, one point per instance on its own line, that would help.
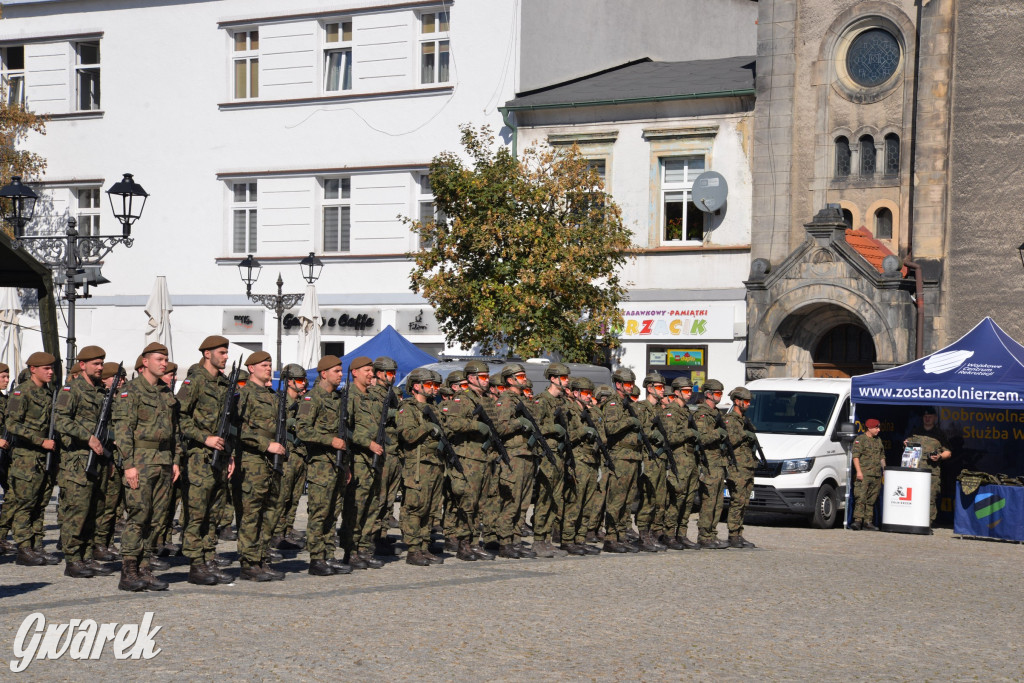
(581, 489)
(28, 419)
(624, 448)
(281, 518)
(739, 478)
(201, 400)
(6, 508)
(682, 487)
(145, 437)
(710, 438)
(361, 505)
(316, 424)
(650, 516)
(422, 472)
(467, 488)
(257, 410)
(111, 487)
(78, 411)
(871, 454)
(516, 485)
(932, 441)
(547, 511)
(391, 467)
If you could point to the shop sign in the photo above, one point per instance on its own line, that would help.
(243, 321)
(416, 321)
(338, 321)
(677, 321)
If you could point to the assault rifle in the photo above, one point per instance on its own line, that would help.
(218, 461)
(92, 465)
(281, 428)
(570, 459)
(648, 446)
(5, 455)
(499, 445)
(758, 451)
(698, 450)
(660, 426)
(601, 446)
(446, 445)
(387, 403)
(522, 411)
(726, 444)
(343, 433)
(53, 455)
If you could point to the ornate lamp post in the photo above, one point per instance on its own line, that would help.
(78, 256)
(249, 270)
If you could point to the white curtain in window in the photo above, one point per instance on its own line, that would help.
(339, 70)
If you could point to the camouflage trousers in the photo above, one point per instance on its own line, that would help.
(282, 516)
(547, 511)
(6, 510)
(467, 490)
(323, 506)
(513, 488)
(206, 491)
(422, 482)
(621, 488)
(28, 484)
(936, 487)
(146, 507)
(682, 490)
(361, 506)
(865, 493)
(711, 501)
(650, 515)
(259, 486)
(740, 480)
(390, 483)
(490, 506)
(578, 511)
(112, 492)
(80, 500)
(230, 506)
(529, 495)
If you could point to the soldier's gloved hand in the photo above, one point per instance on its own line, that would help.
(525, 424)
(590, 434)
(392, 412)
(559, 431)
(749, 437)
(481, 428)
(435, 431)
(657, 439)
(635, 422)
(722, 434)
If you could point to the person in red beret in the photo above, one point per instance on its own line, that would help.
(868, 462)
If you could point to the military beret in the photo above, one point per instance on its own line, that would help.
(654, 378)
(384, 363)
(109, 370)
(475, 367)
(39, 359)
(623, 375)
(359, 362)
(681, 383)
(155, 347)
(293, 371)
(328, 362)
(872, 423)
(138, 363)
(75, 371)
(511, 369)
(257, 358)
(171, 369)
(4, 368)
(214, 341)
(88, 353)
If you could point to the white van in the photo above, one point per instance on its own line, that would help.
(798, 424)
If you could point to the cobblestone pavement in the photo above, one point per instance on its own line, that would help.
(807, 604)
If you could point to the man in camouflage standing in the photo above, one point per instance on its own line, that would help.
(201, 400)
(282, 517)
(145, 435)
(79, 404)
(868, 462)
(316, 424)
(547, 511)
(711, 438)
(384, 370)
(739, 476)
(578, 509)
(650, 516)
(360, 507)
(624, 446)
(258, 414)
(515, 487)
(934, 449)
(423, 465)
(682, 487)
(5, 511)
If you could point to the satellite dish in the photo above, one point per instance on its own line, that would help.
(709, 191)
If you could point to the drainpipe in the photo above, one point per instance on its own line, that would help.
(919, 296)
(918, 277)
(506, 116)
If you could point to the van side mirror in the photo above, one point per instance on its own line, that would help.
(846, 431)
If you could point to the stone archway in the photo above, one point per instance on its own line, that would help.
(800, 334)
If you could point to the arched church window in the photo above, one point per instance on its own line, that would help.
(867, 156)
(848, 219)
(892, 154)
(842, 157)
(883, 224)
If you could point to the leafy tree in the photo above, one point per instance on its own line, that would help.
(526, 254)
(16, 123)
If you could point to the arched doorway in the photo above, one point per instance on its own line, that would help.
(844, 351)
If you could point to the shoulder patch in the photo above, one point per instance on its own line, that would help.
(66, 388)
(124, 394)
(307, 398)
(187, 381)
(668, 414)
(16, 393)
(401, 410)
(444, 410)
(456, 399)
(611, 403)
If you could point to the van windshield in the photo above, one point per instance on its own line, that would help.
(791, 412)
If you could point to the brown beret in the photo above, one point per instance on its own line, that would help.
(138, 363)
(109, 370)
(91, 353)
(76, 370)
(39, 359)
(155, 347)
(4, 368)
(359, 362)
(171, 368)
(214, 341)
(328, 362)
(257, 358)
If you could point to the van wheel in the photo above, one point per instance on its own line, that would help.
(825, 508)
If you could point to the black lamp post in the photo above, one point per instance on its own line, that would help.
(249, 270)
(78, 255)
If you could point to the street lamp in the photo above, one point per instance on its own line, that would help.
(249, 270)
(77, 255)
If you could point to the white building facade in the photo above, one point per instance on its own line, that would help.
(258, 127)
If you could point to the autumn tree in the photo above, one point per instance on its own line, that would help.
(526, 254)
(16, 123)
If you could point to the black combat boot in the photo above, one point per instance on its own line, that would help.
(200, 575)
(339, 566)
(320, 568)
(370, 560)
(856, 526)
(78, 569)
(130, 579)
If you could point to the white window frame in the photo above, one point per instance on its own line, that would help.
(335, 212)
(88, 216)
(87, 99)
(425, 206)
(16, 94)
(434, 39)
(250, 56)
(340, 46)
(680, 190)
(244, 196)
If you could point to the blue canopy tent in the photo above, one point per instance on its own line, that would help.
(389, 342)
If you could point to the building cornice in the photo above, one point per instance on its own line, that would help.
(325, 14)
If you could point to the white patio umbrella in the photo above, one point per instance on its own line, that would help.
(159, 309)
(309, 330)
(10, 333)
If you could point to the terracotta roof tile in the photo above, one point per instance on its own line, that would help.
(873, 251)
